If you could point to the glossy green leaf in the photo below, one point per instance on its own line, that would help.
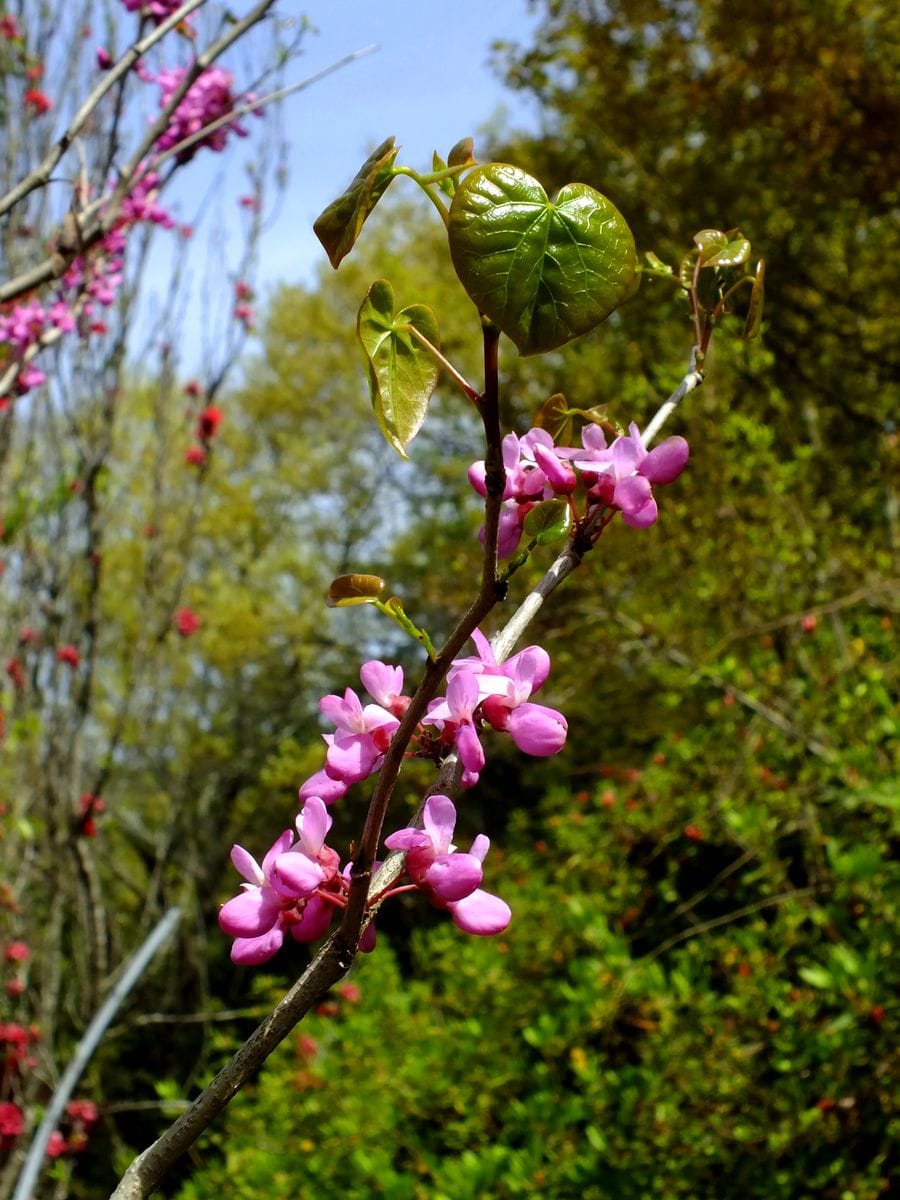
(548, 522)
(402, 373)
(757, 299)
(710, 242)
(337, 228)
(347, 590)
(734, 253)
(543, 271)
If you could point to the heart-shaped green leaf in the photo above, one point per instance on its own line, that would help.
(548, 522)
(337, 228)
(544, 271)
(402, 372)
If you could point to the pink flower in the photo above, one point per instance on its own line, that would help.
(450, 878)
(56, 1144)
(207, 99)
(16, 952)
(157, 9)
(83, 1111)
(622, 474)
(363, 733)
(284, 893)
(456, 713)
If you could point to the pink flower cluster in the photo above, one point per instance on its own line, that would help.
(296, 890)
(449, 878)
(157, 9)
(299, 885)
(207, 99)
(90, 280)
(619, 476)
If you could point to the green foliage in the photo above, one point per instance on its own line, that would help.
(636, 1033)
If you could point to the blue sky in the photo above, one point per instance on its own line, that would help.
(428, 84)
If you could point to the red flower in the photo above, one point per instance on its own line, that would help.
(11, 1122)
(40, 102)
(208, 422)
(15, 987)
(195, 457)
(186, 622)
(56, 1144)
(9, 27)
(193, 388)
(17, 952)
(68, 654)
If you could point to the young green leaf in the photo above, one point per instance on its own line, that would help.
(337, 228)
(402, 372)
(544, 271)
(548, 522)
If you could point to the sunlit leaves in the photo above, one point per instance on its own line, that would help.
(402, 372)
(337, 228)
(543, 271)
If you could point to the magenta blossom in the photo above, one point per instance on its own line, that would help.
(449, 877)
(207, 100)
(286, 892)
(363, 734)
(456, 715)
(504, 690)
(622, 474)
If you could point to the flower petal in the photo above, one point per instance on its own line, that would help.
(252, 913)
(296, 875)
(247, 865)
(453, 876)
(250, 952)
(666, 461)
(312, 826)
(537, 730)
(481, 913)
